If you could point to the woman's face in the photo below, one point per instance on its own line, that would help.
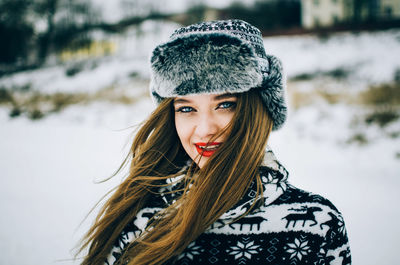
(198, 119)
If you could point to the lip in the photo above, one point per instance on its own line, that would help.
(206, 153)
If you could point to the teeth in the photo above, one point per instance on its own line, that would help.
(209, 148)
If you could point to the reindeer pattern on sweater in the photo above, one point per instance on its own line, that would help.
(292, 226)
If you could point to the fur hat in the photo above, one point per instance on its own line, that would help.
(226, 56)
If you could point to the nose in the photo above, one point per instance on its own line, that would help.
(207, 126)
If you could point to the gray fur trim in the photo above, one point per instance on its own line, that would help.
(217, 57)
(204, 63)
(272, 91)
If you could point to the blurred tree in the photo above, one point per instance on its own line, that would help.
(365, 10)
(268, 15)
(140, 8)
(195, 14)
(15, 31)
(48, 10)
(31, 30)
(192, 3)
(66, 22)
(238, 10)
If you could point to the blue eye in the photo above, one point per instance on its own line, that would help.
(227, 105)
(185, 109)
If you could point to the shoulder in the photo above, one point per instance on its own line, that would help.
(299, 203)
(319, 214)
(294, 195)
(323, 218)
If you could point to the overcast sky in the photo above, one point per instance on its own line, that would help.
(112, 10)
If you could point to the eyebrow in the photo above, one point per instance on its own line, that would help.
(224, 96)
(216, 98)
(181, 100)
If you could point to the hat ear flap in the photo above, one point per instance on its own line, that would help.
(156, 97)
(272, 91)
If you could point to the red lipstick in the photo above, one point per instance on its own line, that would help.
(207, 149)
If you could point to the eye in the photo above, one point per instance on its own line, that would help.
(227, 105)
(185, 109)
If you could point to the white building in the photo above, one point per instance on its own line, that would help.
(389, 9)
(326, 13)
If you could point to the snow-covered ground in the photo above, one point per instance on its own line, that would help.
(368, 58)
(49, 166)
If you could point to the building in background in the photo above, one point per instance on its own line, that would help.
(328, 13)
(389, 9)
(324, 13)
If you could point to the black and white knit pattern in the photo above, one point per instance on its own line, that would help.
(291, 227)
(234, 27)
(226, 56)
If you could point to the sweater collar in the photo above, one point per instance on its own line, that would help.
(273, 178)
(274, 181)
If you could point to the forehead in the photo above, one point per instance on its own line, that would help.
(203, 98)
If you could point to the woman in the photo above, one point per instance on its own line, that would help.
(203, 186)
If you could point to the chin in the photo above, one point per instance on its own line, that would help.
(201, 161)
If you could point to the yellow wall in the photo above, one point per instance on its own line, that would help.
(95, 49)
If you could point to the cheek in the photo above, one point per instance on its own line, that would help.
(225, 120)
(228, 119)
(183, 130)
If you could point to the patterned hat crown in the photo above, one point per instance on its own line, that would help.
(236, 28)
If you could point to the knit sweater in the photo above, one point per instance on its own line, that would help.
(292, 226)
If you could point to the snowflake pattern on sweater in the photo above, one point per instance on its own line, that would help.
(291, 227)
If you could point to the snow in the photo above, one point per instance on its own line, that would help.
(373, 56)
(49, 169)
(50, 166)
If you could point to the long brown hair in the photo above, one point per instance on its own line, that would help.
(157, 154)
